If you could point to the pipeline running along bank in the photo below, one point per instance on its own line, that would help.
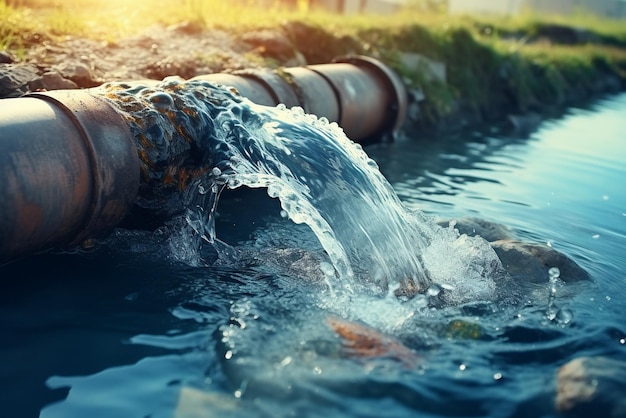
(75, 162)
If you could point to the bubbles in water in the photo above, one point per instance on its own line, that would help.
(466, 267)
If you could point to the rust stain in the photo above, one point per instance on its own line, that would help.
(144, 142)
(190, 112)
(183, 132)
(30, 217)
(183, 179)
(171, 172)
(145, 158)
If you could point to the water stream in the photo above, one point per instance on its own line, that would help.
(219, 140)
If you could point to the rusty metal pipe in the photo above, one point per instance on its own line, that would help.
(69, 169)
(69, 162)
(361, 94)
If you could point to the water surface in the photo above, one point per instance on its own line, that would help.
(131, 329)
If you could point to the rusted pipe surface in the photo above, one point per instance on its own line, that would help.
(251, 88)
(365, 97)
(70, 170)
(317, 95)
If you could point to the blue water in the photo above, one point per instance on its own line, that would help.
(129, 329)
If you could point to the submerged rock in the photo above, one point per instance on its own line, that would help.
(588, 386)
(363, 342)
(472, 226)
(530, 262)
(523, 261)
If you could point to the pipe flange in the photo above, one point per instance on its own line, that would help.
(398, 108)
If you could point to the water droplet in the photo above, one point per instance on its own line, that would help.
(497, 376)
(228, 355)
(595, 236)
(462, 367)
(554, 273)
(622, 341)
(216, 171)
(317, 370)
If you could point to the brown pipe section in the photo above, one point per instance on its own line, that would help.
(70, 166)
(361, 94)
(69, 170)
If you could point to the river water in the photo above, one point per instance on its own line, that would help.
(139, 327)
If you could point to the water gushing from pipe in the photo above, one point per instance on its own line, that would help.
(195, 137)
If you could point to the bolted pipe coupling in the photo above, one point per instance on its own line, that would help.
(70, 169)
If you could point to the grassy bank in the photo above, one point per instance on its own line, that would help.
(494, 67)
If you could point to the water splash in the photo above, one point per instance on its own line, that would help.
(553, 275)
(195, 139)
(555, 314)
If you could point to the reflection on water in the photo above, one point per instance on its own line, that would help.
(127, 331)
